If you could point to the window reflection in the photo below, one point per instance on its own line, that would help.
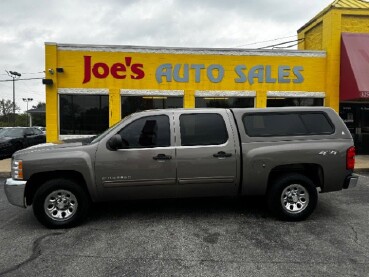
(292, 102)
(83, 114)
(224, 102)
(131, 104)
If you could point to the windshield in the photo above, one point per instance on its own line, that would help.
(11, 133)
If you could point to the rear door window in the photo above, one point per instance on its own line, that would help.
(202, 129)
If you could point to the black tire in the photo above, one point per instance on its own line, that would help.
(292, 197)
(61, 203)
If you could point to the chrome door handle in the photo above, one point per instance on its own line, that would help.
(222, 154)
(162, 157)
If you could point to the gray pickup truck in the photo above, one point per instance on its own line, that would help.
(287, 154)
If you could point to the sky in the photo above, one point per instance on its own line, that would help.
(26, 25)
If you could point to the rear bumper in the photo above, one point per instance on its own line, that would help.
(14, 190)
(351, 181)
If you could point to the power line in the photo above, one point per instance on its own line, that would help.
(26, 73)
(25, 87)
(34, 72)
(289, 46)
(23, 79)
(282, 43)
(265, 41)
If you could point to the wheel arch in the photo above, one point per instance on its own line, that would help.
(36, 180)
(310, 170)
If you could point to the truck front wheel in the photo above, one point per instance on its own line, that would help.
(292, 197)
(60, 203)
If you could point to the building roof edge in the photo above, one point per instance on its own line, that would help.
(187, 50)
(339, 5)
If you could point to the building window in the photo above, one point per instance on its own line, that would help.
(292, 102)
(131, 104)
(83, 114)
(224, 102)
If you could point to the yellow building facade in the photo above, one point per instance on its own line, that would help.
(156, 72)
(118, 80)
(324, 31)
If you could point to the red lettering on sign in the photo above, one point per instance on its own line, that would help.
(137, 69)
(101, 70)
(101, 74)
(87, 67)
(117, 69)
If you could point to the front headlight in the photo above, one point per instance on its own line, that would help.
(17, 169)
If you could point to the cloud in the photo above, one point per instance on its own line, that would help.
(25, 26)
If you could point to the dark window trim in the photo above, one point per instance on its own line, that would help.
(288, 113)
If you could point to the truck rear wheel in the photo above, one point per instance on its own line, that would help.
(292, 197)
(60, 203)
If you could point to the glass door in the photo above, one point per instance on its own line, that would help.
(356, 117)
(363, 138)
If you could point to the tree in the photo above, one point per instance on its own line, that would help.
(39, 105)
(6, 107)
(6, 111)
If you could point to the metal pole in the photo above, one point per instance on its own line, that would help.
(14, 101)
(27, 115)
(27, 100)
(13, 75)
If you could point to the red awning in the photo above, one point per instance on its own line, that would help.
(354, 83)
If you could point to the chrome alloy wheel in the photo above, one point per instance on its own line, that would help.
(60, 205)
(294, 198)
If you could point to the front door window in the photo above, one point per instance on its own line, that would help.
(147, 132)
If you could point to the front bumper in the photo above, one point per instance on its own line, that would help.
(14, 190)
(351, 181)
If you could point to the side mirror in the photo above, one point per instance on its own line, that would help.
(116, 142)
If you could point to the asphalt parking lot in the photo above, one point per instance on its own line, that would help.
(203, 237)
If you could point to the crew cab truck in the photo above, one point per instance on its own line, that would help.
(287, 154)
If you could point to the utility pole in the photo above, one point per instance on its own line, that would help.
(13, 75)
(27, 100)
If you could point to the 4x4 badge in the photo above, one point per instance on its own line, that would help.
(328, 152)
